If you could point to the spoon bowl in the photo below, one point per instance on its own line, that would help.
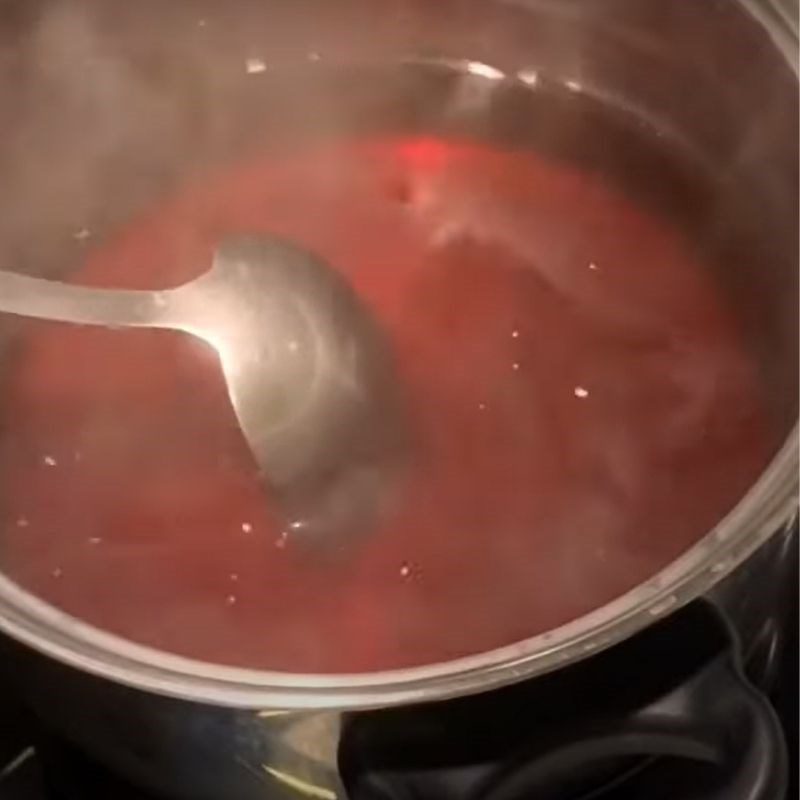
(308, 371)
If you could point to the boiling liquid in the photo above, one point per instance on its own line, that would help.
(583, 411)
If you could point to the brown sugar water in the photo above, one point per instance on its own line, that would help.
(584, 411)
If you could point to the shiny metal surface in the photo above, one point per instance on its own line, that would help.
(720, 74)
(188, 751)
(307, 372)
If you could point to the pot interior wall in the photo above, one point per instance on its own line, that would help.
(106, 105)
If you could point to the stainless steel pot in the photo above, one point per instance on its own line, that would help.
(716, 74)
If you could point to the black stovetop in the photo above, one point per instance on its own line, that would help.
(37, 765)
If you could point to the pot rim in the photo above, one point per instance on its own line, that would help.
(768, 508)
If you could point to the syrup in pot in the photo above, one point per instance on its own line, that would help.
(583, 404)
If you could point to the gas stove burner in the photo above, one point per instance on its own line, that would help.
(686, 725)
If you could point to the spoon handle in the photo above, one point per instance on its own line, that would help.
(25, 296)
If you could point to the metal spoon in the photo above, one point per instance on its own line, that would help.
(308, 372)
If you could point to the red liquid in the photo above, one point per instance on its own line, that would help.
(584, 409)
